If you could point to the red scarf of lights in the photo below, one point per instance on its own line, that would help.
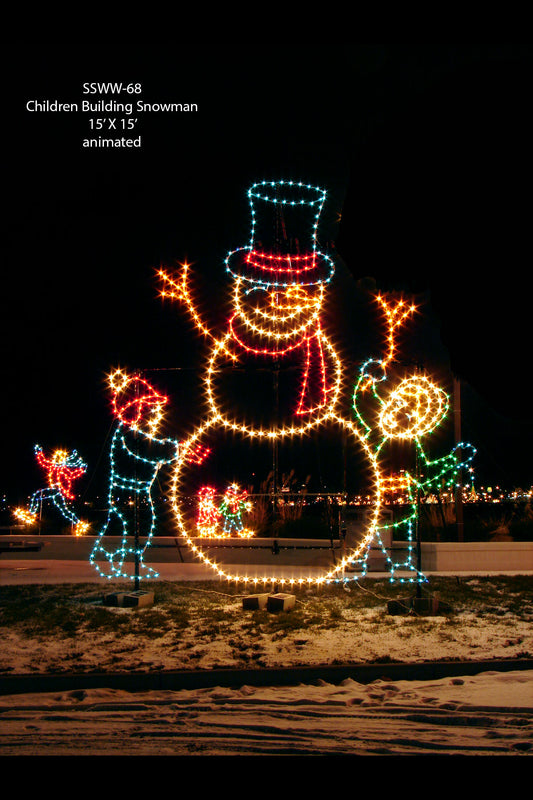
(60, 474)
(283, 320)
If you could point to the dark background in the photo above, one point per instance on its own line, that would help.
(425, 151)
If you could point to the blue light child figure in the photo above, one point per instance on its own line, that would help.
(62, 469)
(136, 456)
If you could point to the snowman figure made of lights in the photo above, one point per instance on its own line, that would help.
(278, 285)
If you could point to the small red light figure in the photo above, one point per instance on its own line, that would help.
(208, 512)
(62, 470)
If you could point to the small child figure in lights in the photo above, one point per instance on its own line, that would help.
(136, 456)
(62, 470)
(407, 412)
(232, 507)
(208, 518)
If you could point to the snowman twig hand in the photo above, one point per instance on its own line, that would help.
(198, 454)
(179, 290)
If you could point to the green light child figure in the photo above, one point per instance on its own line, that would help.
(232, 508)
(406, 412)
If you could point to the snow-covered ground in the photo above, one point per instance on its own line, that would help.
(490, 713)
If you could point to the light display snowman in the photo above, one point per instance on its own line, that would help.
(278, 286)
(278, 289)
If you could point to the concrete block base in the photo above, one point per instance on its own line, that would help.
(430, 606)
(281, 602)
(399, 606)
(254, 601)
(139, 599)
(114, 600)
(424, 606)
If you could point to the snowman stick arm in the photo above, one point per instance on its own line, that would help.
(179, 290)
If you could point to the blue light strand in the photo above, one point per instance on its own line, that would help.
(311, 197)
(125, 441)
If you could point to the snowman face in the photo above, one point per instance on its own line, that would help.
(275, 320)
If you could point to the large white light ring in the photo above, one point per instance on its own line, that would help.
(312, 575)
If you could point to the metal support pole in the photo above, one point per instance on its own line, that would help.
(459, 483)
(275, 464)
(136, 517)
(417, 531)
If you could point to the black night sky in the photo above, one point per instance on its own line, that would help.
(425, 151)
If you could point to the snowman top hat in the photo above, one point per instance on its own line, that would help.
(282, 251)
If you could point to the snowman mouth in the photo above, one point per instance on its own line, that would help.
(275, 322)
